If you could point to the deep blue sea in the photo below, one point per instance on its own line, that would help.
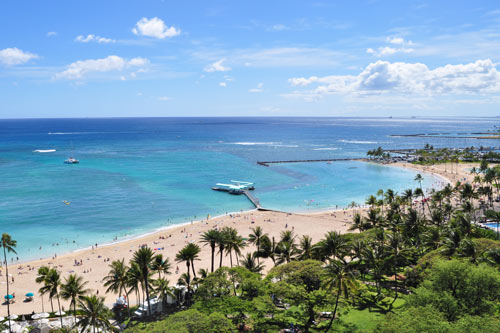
(140, 174)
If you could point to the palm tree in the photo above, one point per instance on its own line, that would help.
(159, 265)
(306, 247)
(51, 285)
(185, 280)
(188, 254)
(334, 245)
(93, 313)
(117, 280)
(211, 237)
(144, 258)
(250, 263)
(286, 250)
(234, 242)
(134, 280)
(8, 245)
(162, 288)
(341, 279)
(42, 275)
(222, 242)
(73, 288)
(256, 237)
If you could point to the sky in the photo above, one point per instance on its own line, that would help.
(155, 58)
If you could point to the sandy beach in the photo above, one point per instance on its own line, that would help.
(95, 261)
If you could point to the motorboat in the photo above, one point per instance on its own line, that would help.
(71, 160)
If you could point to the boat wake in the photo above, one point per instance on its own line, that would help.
(361, 142)
(331, 148)
(44, 150)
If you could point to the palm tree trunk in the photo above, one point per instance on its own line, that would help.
(221, 250)
(7, 277)
(74, 311)
(335, 309)
(147, 294)
(192, 267)
(213, 257)
(51, 304)
(59, 305)
(231, 258)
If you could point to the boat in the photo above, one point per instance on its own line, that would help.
(238, 187)
(71, 160)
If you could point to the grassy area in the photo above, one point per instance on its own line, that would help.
(366, 319)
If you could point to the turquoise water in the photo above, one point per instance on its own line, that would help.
(138, 175)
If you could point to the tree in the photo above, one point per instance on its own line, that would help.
(52, 283)
(306, 248)
(250, 263)
(339, 278)
(334, 246)
(162, 289)
(93, 313)
(256, 237)
(188, 254)
(144, 258)
(134, 280)
(211, 237)
(42, 275)
(8, 245)
(234, 243)
(73, 288)
(160, 265)
(117, 280)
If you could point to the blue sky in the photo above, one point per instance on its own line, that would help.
(249, 58)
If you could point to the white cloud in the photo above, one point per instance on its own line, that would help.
(217, 67)
(279, 27)
(51, 33)
(79, 69)
(14, 56)
(164, 98)
(381, 77)
(154, 27)
(396, 40)
(258, 89)
(223, 84)
(94, 38)
(402, 46)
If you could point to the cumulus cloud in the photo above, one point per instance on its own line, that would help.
(94, 38)
(79, 69)
(51, 33)
(217, 67)
(223, 84)
(479, 77)
(258, 89)
(155, 27)
(14, 56)
(398, 45)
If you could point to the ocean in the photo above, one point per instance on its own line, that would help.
(137, 175)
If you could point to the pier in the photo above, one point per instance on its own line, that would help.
(237, 188)
(267, 163)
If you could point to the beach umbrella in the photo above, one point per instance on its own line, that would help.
(8, 296)
(13, 316)
(35, 316)
(60, 313)
(42, 315)
(30, 295)
(2, 318)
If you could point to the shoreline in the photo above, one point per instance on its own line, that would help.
(168, 240)
(160, 229)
